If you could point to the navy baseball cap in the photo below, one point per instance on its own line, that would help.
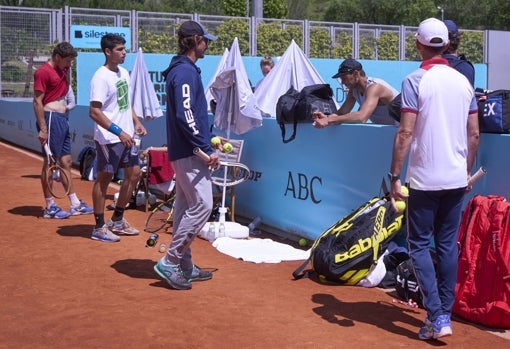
(452, 27)
(190, 28)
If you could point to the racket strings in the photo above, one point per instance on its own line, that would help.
(58, 182)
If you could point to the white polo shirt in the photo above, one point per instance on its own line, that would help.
(442, 98)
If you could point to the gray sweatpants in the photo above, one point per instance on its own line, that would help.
(193, 206)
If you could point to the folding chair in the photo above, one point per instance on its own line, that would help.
(157, 175)
(230, 192)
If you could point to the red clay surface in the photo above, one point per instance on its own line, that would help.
(60, 289)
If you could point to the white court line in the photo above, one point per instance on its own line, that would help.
(39, 157)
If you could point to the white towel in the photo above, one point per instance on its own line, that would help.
(259, 250)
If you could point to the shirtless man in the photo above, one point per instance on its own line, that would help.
(372, 94)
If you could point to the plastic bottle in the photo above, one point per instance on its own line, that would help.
(254, 224)
(137, 141)
(212, 231)
(221, 232)
(152, 240)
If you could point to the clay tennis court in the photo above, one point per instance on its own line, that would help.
(60, 289)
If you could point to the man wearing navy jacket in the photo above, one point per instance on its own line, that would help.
(187, 126)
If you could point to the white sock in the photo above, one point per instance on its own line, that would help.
(49, 202)
(74, 199)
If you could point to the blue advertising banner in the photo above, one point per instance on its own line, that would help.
(88, 36)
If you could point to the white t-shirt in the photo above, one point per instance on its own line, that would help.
(112, 90)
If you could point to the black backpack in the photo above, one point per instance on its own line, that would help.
(406, 283)
(87, 158)
(293, 106)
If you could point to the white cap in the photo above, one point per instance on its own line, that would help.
(432, 32)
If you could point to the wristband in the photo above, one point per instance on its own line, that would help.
(116, 130)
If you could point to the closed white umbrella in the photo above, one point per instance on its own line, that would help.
(219, 68)
(142, 94)
(293, 69)
(236, 108)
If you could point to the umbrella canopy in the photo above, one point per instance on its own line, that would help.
(142, 94)
(219, 68)
(292, 69)
(236, 108)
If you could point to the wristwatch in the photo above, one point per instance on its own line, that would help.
(393, 177)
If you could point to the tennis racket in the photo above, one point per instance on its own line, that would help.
(162, 214)
(57, 180)
(228, 173)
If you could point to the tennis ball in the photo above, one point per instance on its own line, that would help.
(302, 242)
(401, 205)
(404, 190)
(215, 141)
(227, 147)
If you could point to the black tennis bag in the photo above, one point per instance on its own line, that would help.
(494, 112)
(294, 107)
(348, 250)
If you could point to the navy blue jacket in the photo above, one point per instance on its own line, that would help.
(187, 120)
(462, 65)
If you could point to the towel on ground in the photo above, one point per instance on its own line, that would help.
(259, 250)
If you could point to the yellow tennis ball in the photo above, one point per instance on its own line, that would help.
(401, 205)
(302, 242)
(404, 190)
(215, 141)
(227, 147)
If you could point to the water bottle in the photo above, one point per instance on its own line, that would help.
(221, 232)
(152, 240)
(254, 224)
(212, 231)
(137, 141)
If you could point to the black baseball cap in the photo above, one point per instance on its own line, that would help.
(348, 66)
(190, 28)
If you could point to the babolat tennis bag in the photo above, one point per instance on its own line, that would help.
(348, 250)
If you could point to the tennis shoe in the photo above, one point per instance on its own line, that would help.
(122, 227)
(440, 328)
(55, 212)
(104, 234)
(172, 273)
(82, 208)
(197, 274)
(427, 331)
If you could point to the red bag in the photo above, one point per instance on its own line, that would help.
(483, 276)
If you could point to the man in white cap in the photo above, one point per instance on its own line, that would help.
(372, 95)
(439, 129)
(187, 127)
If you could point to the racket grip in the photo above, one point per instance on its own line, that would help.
(200, 153)
(477, 175)
(47, 148)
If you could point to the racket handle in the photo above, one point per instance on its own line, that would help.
(47, 148)
(477, 175)
(200, 153)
